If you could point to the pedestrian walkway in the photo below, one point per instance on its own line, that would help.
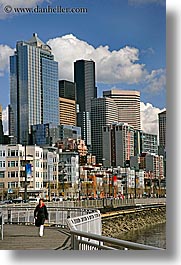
(26, 237)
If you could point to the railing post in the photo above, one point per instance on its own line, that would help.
(1, 224)
(74, 242)
(9, 216)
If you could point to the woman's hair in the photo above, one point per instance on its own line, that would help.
(40, 200)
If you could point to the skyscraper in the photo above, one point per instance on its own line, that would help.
(1, 126)
(128, 103)
(33, 87)
(0, 112)
(67, 111)
(162, 129)
(118, 144)
(84, 77)
(145, 143)
(104, 111)
(67, 89)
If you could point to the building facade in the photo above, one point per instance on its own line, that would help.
(128, 103)
(69, 131)
(162, 129)
(154, 163)
(84, 122)
(145, 143)
(67, 111)
(104, 111)
(69, 174)
(118, 144)
(33, 87)
(67, 89)
(1, 111)
(84, 77)
(12, 170)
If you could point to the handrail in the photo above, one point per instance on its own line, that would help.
(80, 240)
(57, 215)
(117, 243)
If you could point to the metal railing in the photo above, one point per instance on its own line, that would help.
(1, 225)
(89, 241)
(98, 203)
(57, 216)
(84, 224)
(148, 201)
(84, 235)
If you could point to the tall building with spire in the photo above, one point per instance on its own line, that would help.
(34, 92)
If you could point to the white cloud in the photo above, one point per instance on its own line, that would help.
(17, 3)
(149, 118)
(5, 120)
(5, 52)
(156, 81)
(112, 66)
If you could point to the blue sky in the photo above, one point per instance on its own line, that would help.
(126, 38)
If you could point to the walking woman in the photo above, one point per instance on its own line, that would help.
(40, 215)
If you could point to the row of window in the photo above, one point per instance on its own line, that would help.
(16, 164)
(17, 153)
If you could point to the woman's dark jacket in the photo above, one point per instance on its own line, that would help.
(41, 213)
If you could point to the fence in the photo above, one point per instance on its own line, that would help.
(86, 235)
(88, 241)
(98, 204)
(57, 215)
(84, 224)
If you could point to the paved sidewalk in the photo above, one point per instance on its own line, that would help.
(24, 237)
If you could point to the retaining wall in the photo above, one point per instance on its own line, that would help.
(115, 225)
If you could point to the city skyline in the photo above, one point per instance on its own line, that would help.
(129, 49)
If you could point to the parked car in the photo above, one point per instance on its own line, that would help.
(34, 200)
(17, 200)
(57, 199)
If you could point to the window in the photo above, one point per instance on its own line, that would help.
(2, 173)
(37, 185)
(12, 152)
(2, 153)
(12, 163)
(2, 164)
(12, 184)
(1, 185)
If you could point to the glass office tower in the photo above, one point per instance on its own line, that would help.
(33, 87)
(84, 77)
